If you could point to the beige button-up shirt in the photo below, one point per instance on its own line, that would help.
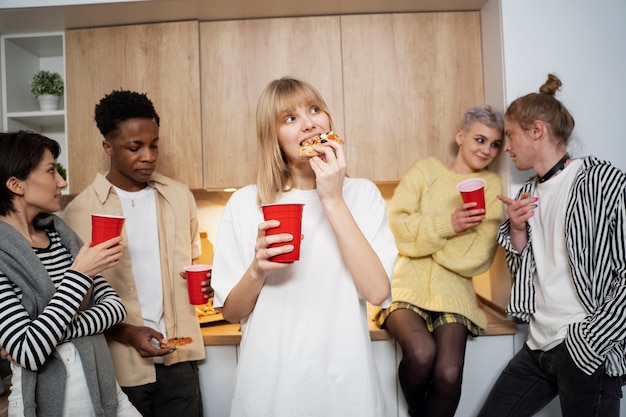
(179, 243)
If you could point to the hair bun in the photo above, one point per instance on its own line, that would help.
(551, 86)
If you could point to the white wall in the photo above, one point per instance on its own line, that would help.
(584, 43)
(581, 41)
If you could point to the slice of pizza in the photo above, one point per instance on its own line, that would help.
(176, 342)
(306, 146)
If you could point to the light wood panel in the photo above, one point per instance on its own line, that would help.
(161, 60)
(239, 58)
(408, 78)
(31, 16)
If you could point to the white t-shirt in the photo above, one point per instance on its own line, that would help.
(142, 231)
(557, 303)
(305, 348)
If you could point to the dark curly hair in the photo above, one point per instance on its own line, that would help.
(20, 153)
(121, 105)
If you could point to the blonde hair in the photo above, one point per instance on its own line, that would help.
(281, 96)
(543, 106)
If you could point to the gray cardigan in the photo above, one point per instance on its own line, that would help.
(43, 390)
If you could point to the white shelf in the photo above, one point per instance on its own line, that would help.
(39, 120)
(22, 55)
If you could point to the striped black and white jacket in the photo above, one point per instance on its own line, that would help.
(595, 229)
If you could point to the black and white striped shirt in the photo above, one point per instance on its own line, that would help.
(595, 235)
(30, 342)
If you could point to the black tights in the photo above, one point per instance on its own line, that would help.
(431, 370)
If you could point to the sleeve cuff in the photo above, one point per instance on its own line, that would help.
(443, 226)
(582, 353)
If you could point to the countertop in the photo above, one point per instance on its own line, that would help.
(220, 332)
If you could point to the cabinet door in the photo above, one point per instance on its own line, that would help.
(239, 58)
(408, 78)
(160, 60)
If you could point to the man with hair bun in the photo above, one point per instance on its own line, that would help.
(565, 246)
(161, 236)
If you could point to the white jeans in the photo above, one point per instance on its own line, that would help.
(77, 401)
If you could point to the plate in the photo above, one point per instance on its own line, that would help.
(211, 317)
(206, 313)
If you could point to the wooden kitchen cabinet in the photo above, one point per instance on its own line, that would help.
(239, 58)
(407, 78)
(396, 85)
(161, 60)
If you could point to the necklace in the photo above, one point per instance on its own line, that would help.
(556, 168)
(131, 196)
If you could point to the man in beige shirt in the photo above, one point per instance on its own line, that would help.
(161, 236)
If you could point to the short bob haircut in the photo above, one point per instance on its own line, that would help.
(281, 96)
(20, 153)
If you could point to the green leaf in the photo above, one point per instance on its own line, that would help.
(47, 82)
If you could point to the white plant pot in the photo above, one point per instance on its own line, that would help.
(48, 102)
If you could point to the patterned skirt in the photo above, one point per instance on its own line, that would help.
(433, 319)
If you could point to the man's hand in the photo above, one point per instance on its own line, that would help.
(144, 339)
(519, 212)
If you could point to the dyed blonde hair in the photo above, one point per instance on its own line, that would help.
(546, 107)
(281, 96)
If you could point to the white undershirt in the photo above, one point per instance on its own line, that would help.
(143, 245)
(76, 400)
(556, 299)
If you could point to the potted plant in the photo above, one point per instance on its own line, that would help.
(61, 170)
(47, 86)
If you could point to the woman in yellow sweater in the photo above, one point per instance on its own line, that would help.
(442, 243)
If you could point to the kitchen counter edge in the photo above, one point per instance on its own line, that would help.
(223, 333)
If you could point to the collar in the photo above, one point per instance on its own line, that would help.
(556, 168)
(104, 188)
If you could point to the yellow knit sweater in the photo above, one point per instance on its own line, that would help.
(435, 264)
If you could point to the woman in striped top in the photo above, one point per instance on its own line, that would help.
(54, 305)
(565, 246)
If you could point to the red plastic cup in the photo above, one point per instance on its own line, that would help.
(290, 218)
(195, 274)
(105, 227)
(473, 191)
